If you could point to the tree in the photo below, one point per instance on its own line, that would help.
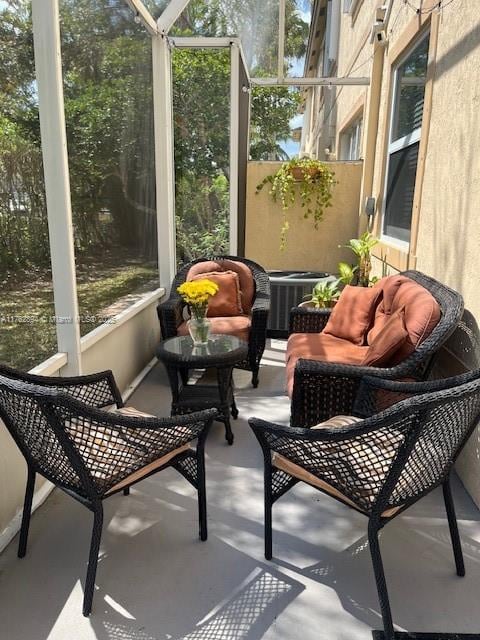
(109, 115)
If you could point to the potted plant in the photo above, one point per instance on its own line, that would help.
(305, 180)
(324, 296)
(359, 274)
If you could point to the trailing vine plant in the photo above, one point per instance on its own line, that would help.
(310, 181)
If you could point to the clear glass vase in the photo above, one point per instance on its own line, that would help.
(199, 326)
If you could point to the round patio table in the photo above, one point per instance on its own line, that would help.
(222, 352)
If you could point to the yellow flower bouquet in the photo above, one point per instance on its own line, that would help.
(196, 294)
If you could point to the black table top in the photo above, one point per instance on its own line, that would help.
(220, 350)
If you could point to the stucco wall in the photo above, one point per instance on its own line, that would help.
(354, 59)
(307, 248)
(449, 226)
(127, 349)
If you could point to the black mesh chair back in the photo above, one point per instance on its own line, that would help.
(23, 408)
(405, 446)
(445, 412)
(92, 453)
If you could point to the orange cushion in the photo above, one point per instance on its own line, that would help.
(238, 326)
(389, 286)
(226, 302)
(422, 312)
(247, 282)
(387, 341)
(321, 347)
(352, 315)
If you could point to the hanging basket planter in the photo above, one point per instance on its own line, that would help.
(299, 173)
(301, 181)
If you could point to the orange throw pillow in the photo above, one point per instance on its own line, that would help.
(353, 314)
(387, 342)
(227, 301)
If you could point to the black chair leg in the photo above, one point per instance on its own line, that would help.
(389, 633)
(255, 378)
(452, 523)
(202, 496)
(268, 512)
(93, 558)
(27, 510)
(126, 491)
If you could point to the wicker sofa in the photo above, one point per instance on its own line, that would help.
(250, 325)
(324, 371)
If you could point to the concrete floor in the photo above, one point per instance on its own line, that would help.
(157, 581)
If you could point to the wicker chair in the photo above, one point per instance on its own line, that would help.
(170, 312)
(381, 464)
(66, 435)
(324, 389)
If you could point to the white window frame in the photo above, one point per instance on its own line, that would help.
(401, 143)
(351, 141)
(350, 6)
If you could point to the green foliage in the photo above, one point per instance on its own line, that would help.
(363, 245)
(346, 273)
(324, 294)
(311, 181)
(26, 312)
(202, 227)
(109, 115)
(254, 21)
(272, 110)
(362, 248)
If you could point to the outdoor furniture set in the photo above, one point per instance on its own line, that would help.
(366, 429)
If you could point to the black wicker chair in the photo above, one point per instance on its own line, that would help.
(382, 464)
(66, 435)
(170, 312)
(322, 389)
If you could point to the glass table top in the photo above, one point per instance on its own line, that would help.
(218, 345)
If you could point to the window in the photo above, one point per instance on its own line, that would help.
(404, 140)
(351, 141)
(350, 6)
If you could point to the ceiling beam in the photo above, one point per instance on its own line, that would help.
(202, 42)
(170, 14)
(310, 82)
(144, 16)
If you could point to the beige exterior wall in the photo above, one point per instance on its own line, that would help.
(127, 349)
(449, 225)
(307, 248)
(354, 59)
(445, 226)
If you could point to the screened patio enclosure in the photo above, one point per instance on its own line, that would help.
(126, 128)
(162, 162)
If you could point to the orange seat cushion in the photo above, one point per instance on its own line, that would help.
(387, 341)
(353, 314)
(238, 326)
(421, 312)
(321, 347)
(245, 276)
(226, 302)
